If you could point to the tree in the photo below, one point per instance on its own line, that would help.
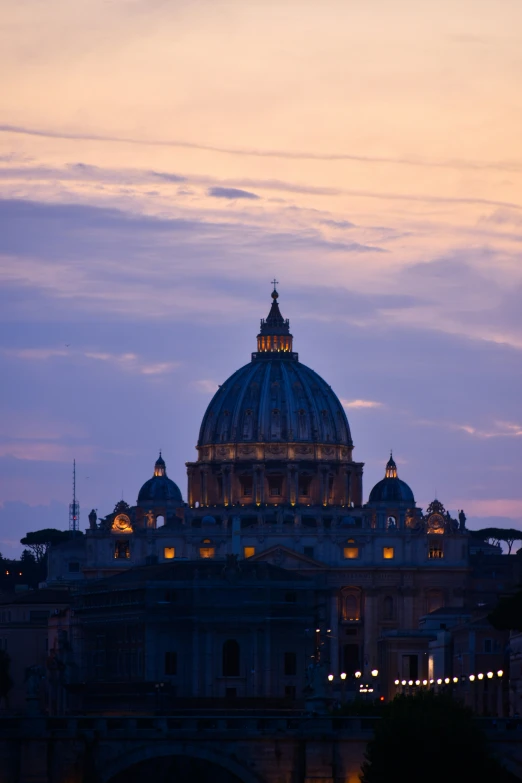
(429, 737)
(507, 615)
(40, 540)
(494, 535)
(6, 681)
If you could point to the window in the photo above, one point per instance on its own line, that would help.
(207, 550)
(388, 552)
(122, 550)
(388, 608)
(391, 523)
(488, 645)
(290, 664)
(249, 551)
(37, 615)
(350, 607)
(410, 667)
(434, 601)
(274, 486)
(231, 656)
(290, 692)
(351, 551)
(74, 568)
(435, 551)
(304, 485)
(350, 658)
(247, 486)
(171, 663)
(169, 552)
(308, 551)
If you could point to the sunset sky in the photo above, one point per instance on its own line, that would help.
(161, 161)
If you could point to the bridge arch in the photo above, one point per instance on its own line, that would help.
(130, 759)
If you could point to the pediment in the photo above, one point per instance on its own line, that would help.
(284, 557)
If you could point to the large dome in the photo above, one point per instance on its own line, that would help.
(391, 488)
(159, 489)
(275, 398)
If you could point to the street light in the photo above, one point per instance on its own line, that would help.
(417, 682)
(374, 672)
(500, 673)
(330, 677)
(425, 682)
(343, 675)
(403, 682)
(489, 675)
(446, 680)
(439, 681)
(480, 676)
(358, 675)
(472, 677)
(397, 682)
(455, 679)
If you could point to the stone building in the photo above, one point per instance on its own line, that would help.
(275, 486)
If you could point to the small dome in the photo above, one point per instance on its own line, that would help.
(391, 488)
(159, 489)
(208, 520)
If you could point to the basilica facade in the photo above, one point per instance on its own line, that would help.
(276, 552)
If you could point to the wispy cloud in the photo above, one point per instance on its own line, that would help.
(361, 404)
(260, 153)
(231, 193)
(206, 386)
(130, 362)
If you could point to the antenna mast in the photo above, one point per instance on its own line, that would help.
(74, 507)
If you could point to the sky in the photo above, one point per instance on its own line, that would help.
(162, 160)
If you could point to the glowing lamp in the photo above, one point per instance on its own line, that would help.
(410, 682)
(439, 682)
(425, 682)
(446, 680)
(480, 676)
(330, 677)
(358, 674)
(455, 679)
(472, 677)
(343, 675)
(489, 675)
(397, 682)
(500, 673)
(403, 682)
(417, 682)
(374, 672)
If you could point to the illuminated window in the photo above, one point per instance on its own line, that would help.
(249, 551)
(435, 551)
(169, 553)
(121, 550)
(351, 551)
(388, 552)
(207, 550)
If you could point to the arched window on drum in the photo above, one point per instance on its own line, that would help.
(350, 606)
